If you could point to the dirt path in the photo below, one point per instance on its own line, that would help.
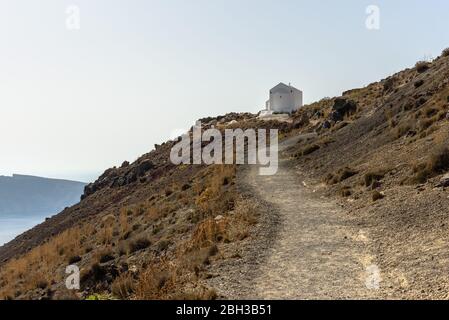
(309, 248)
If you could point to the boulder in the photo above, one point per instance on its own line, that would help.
(336, 116)
(131, 177)
(125, 164)
(119, 182)
(344, 106)
(144, 166)
(89, 189)
(326, 124)
(419, 83)
(444, 181)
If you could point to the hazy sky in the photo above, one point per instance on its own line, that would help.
(75, 102)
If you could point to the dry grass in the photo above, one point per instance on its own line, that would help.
(418, 83)
(422, 66)
(176, 278)
(376, 195)
(166, 237)
(124, 223)
(209, 232)
(309, 149)
(164, 280)
(405, 127)
(389, 84)
(373, 176)
(123, 286)
(340, 175)
(38, 265)
(436, 163)
(138, 244)
(345, 191)
(213, 197)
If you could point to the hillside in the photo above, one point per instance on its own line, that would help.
(385, 160)
(25, 195)
(153, 230)
(146, 229)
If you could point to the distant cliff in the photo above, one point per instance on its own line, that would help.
(21, 195)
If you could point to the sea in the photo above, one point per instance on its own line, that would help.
(11, 226)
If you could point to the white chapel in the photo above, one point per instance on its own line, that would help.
(283, 99)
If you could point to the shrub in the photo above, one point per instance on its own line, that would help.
(158, 281)
(42, 284)
(123, 286)
(163, 245)
(95, 273)
(105, 257)
(309, 149)
(437, 162)
(429, 112)
(373, 176)
(420, 102)
(422, 66)
(423, 124)
(389, 84)
(74, 259)
(445, 52)
(208, 233)
(404, 128)
(421, 175)
(377, 195)
(156, 229)
(185, 186)
(346, 173)
(419, 83)
(340, 175)
(139, 244)
(345, 191)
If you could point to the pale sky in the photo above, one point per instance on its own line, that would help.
(75, 102)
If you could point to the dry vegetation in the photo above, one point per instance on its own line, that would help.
(153, 238)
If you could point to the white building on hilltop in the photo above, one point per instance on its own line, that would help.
(283, 99)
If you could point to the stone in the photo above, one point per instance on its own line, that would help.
(344, 106)
(419, 83)
(144, 166)
(376, 185)
(336, 116)
(326, 124)
(125, 164)
(444, 181)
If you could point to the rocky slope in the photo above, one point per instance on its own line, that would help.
(382, 151)
(147, 229)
